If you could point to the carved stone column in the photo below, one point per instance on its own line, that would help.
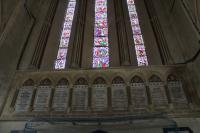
(42, 40)
(160, 38)
(121, 33)
(79, 34)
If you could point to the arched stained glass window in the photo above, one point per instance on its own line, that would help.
(64, 40)
(101, 49)
(137, 34)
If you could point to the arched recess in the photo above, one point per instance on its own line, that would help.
(176, 92)
(99, 95)
(24, 97)
(80, 95)
(139, 97)
(157, 92)
(119, 95)
(61, 96)
(43, 96)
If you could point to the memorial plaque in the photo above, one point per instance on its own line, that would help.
(158, 95)
(42, 98)
(99, 97)
(138, 95)
(80, 98)
(119, 97)
(24, 98)
(177, 94)
(60, 98)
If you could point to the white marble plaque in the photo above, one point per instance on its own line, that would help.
(119, 97)
(42, 99)
(80, 98)
(99, 97)
(60, 98)
(24, 98)
(158, 94)
(177, 94)
(139, 95)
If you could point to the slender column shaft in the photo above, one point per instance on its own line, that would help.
(79, 34)
(160, 38)
(41, 44)
(121, 32)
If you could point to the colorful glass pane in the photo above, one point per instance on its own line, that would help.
(101, 62)
(65, 36)
(137, 34)
(101, 50)
(101, 41)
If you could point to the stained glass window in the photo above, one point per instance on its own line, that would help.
(137, 34)
(65, 36)
(101, 49)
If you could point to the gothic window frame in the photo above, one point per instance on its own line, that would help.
(62, 54)
(139, 44)
(101, 57)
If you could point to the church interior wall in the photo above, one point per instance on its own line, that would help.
(18, 39)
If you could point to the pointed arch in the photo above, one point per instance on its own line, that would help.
(63, 81)
(99, 80)
(45, 82)
(155, 78)
(29, 82)
(118, 80)
(137, 79)
(81, 81)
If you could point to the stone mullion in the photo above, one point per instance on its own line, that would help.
(162, 43)
(121, 32)
(41, 44)
(79, 34)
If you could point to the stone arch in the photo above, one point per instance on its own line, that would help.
(140, 75)
(118, 80)
(63, 81)
(99, 80)
(29, 82)
(172, 77)
(121, 75)
(45, 82)
(96, 76)
(137, 79)
(81, 81)
(155, 78)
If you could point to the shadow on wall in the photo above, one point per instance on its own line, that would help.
(99, 131)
